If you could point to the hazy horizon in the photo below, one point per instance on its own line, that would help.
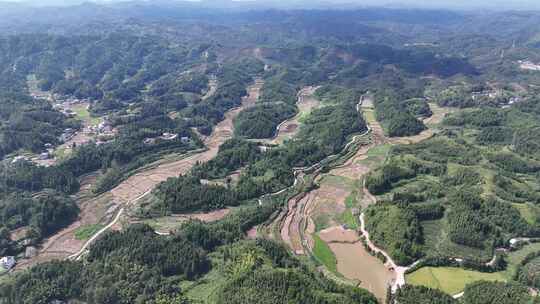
(448, 4)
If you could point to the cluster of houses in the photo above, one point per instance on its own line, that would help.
(62, 101)
(103, 128)
(494, 94)
(49, 150)
(489, 94)
(46, 157)
(42, 95)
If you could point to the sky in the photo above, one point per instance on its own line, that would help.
(454, 4)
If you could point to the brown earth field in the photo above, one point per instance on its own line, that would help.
(355, 263)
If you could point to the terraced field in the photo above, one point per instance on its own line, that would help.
(330, 212)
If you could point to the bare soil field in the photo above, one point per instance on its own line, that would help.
(354, 168)
(292, 229)
(252, 233)
(98, 210)
(409, 140)
(355, 263)
(339, 234)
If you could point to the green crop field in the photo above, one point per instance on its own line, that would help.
(351, 201)
(349, 219)
(85, 232)
(84, 115)
(339, 182)
(321, 221)
(381, 150)
(527, 211)
(376, 155)
(449, 279)
(324, 254)
(369, 115)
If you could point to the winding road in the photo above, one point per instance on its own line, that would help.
(79, 253)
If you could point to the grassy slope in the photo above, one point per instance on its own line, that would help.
(438, 242)
(527, 211)
(448, 279)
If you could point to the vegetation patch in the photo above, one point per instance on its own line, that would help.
(86, 232)
(449, 279)
(515, 258)
(321, 221)
(351, 201)
(261, 120)
(397, 230)
(323, 254)
(85, 115)
(347, 218)
(528, 212)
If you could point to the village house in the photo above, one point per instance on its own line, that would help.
(44, 156)
(19, 158)
(67, 135)
(7, 262)
(169, 136)
(149, 141)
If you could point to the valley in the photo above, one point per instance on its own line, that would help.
(332, 212)
(110, 207)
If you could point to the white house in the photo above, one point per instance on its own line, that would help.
(7, 262)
